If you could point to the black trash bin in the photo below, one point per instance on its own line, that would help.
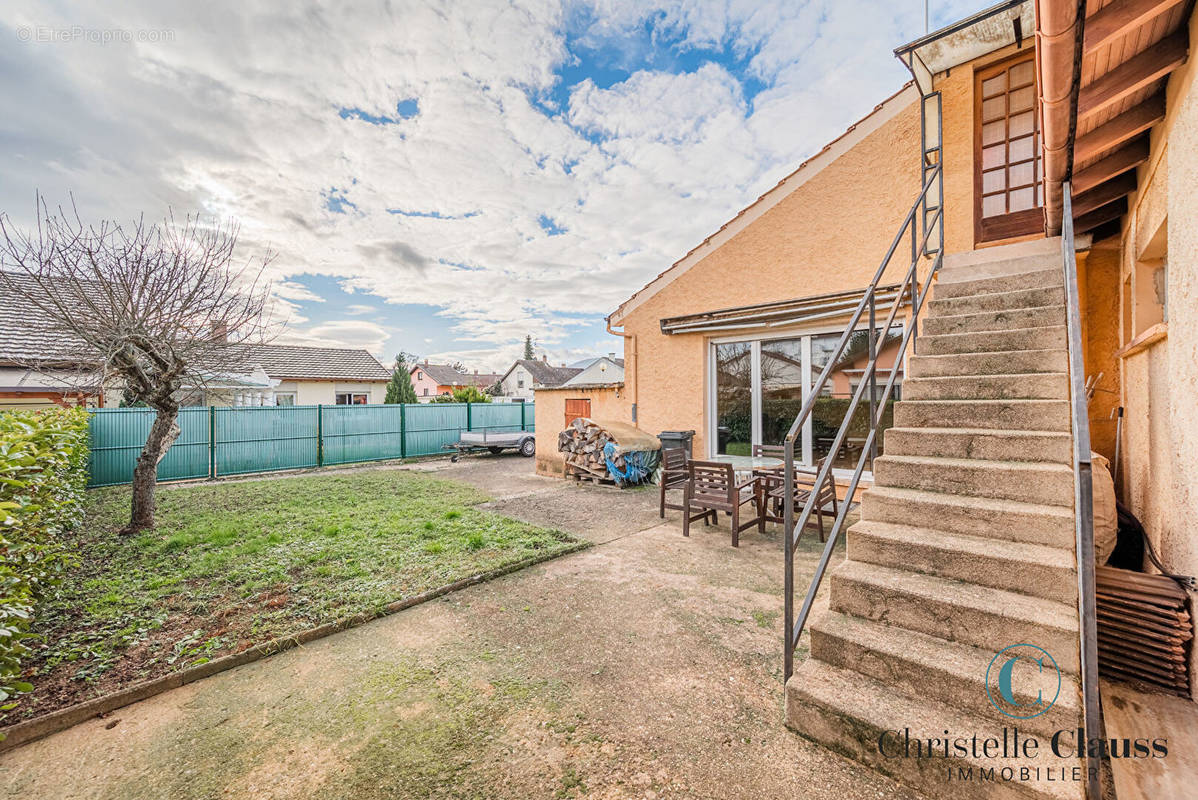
(681, 439)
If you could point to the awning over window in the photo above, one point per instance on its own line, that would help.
(781, 313)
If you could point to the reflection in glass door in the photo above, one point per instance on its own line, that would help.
(782, 380)
(760, 387)
(734, 398)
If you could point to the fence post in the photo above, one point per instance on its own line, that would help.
(523, 424)
(319, 435)
(468, 427)
(403, 431)
(211, 442)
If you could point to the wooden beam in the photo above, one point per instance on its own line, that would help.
(1127, 125)
(1122, 17)
(1128, 157)
(1104, 193)
(1133, 75)
(1100, 216)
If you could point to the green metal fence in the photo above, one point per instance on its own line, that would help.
(218, 441)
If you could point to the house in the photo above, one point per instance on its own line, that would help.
(966, 177)
(527, 375)
(605, 369)
(315, 376)
(270, 374)
(435, 380)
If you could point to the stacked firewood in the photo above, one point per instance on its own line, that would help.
(581, 444)
(1143, 629)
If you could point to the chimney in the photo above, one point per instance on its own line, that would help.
(220, 332)
(545, 357)
(475, 372)
(612, 356)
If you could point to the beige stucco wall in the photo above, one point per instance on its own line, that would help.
(311, 393)
(607, 403)
(827, 235)
(1159, 480)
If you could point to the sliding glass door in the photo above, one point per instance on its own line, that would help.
(759, 387)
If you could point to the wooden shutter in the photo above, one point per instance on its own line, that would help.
(1008, 174)
(577, 408)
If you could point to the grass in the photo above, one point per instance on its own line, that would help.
(233, 564)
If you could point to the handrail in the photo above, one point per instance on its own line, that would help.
(1083, 497)
(922, 214)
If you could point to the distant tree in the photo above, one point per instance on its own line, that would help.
(399, 388)
(529, 352)
(464, 394)
(152, 307)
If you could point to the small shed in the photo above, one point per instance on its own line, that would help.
(557, 407)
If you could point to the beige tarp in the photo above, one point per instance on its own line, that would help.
(628, 439)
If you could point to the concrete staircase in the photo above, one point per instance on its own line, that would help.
(966, 541)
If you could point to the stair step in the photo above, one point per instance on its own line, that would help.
(1041, 279)
(1035, 570)
(1024, 386)
(1046, 338)
(974, 516)
(981, 443)
(1049, 248)
(918, 665)
(996, 363)
(954, 610)
(1003, 319)
(1012, 415)
(996, 269)
(1025, 481)
(1026, 297)
(848, 713)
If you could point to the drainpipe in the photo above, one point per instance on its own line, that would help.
(1059, 25)
(636, 365)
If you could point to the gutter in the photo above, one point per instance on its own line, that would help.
(636, 362)
(1059, 29)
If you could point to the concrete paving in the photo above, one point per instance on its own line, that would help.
(648, 666)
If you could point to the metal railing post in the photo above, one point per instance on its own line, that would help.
(873, 374)
(1083, 499)
(212, 442)
(403, 430)
(319, 435)
(788, 520)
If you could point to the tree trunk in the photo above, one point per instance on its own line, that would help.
(163, 434)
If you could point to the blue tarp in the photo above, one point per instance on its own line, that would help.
(638, 464)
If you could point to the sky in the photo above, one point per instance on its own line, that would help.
(442, 178)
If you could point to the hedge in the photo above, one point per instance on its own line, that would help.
(43, 472)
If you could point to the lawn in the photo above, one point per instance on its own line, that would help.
(231, 565)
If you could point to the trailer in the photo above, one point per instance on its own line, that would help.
(493, 441)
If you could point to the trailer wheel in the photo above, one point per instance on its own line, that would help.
(528, 448)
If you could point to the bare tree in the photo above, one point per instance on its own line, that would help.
(156, 308)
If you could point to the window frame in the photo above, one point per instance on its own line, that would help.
(1013, 224)
(352, 398)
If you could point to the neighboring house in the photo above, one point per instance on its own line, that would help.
(272, 375)
(603, 370)
(973, 494)
(434, 380)
(527, 375)
(315, 376)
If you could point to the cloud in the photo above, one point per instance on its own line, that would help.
(357, 309)
(522, 197)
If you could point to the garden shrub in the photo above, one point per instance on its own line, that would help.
(43, 474)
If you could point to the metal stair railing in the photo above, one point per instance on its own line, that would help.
(1083, 498)
(926, 214)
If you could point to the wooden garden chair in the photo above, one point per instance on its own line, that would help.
(674, 475)
(770, 489)
(711, 488)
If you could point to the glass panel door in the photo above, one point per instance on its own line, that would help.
(781, 388)
(734, 398)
